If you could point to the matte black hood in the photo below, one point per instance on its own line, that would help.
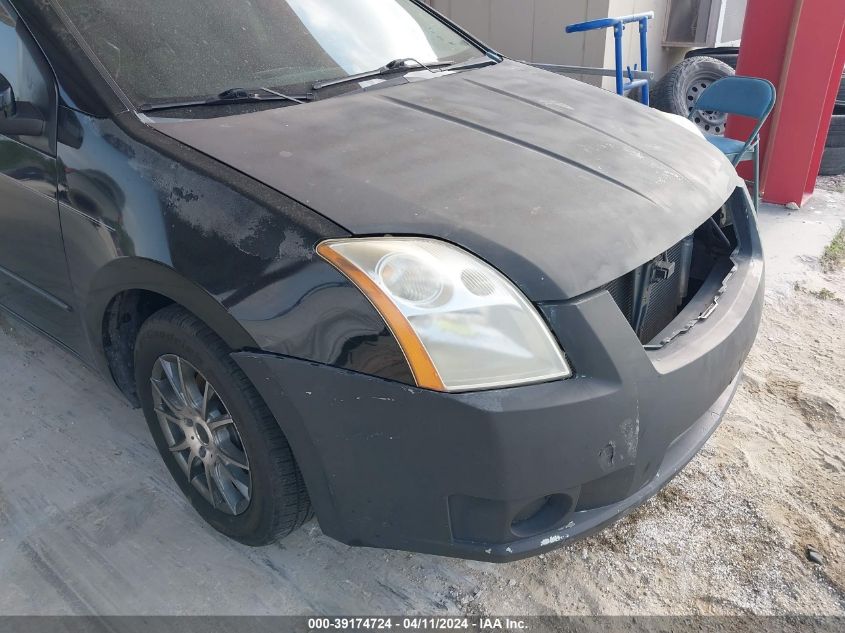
(562, 186)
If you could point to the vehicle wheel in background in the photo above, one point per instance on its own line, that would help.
(218, 439)
(833, 160)
(727, 54)
(680, 88)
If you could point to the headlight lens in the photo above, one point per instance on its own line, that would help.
(461, 324)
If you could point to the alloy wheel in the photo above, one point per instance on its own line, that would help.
(201, 434)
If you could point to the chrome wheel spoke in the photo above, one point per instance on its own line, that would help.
(225, 486)
(201, 434)
(219, 423)
(169, 417)
(196, 469)
(236, 480)
(207, 394)
(211, 482)
(228, 460)
(167, 401)
(173, 373)
(181, 446)
(190, 460)
(184, 462)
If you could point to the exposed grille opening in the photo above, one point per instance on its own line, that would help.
(652, 295)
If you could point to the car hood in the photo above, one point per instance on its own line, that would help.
(562, 186)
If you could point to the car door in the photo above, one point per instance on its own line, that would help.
(34, 280)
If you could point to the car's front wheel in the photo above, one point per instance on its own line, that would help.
(220, 442)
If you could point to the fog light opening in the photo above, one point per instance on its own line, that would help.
(541, 515)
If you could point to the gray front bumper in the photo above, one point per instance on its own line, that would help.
(393, 466)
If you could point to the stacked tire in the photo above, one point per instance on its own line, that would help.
(840, 96)
(833, 160)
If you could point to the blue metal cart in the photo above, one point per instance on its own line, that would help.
(618, 26)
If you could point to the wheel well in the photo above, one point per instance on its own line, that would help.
(122, 321)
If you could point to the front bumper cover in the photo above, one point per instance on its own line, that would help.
(505, 474)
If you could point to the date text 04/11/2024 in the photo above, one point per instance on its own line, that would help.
(417, 623)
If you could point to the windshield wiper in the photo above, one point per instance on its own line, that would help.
(396, 66)
(473, 63)
(230, 96)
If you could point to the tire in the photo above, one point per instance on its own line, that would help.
(836, 134)
(726, 54)
(249, 454)
(678, 89)
(833, 162)
(833, 159)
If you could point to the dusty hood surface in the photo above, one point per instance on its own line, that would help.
(560, 185)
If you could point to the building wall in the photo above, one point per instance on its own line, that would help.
(533, 30)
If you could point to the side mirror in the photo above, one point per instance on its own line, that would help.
(18, 118)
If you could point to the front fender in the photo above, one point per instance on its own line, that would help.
(141, 211)
(134, 273)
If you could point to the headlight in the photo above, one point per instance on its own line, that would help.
(461, 324)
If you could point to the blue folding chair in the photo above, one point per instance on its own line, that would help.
(746, 96)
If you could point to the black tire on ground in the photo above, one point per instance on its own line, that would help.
(278, 503)
(836, 135)
(678, 90)
(833, 162)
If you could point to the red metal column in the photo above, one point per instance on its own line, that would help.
(799, 45)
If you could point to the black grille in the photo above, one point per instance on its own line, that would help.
(664, 295)
(663, 299)
(622, 291)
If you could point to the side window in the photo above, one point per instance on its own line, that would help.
(24, 67)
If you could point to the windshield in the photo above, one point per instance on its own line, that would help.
(160, 50)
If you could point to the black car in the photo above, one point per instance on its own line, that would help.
(351, 261)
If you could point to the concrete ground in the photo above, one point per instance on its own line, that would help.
(91, 522)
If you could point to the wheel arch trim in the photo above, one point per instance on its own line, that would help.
(140, 274)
